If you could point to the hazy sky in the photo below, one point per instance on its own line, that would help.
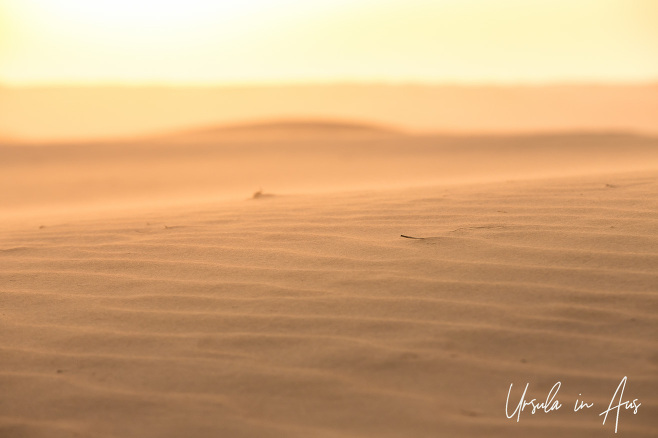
(246, 41)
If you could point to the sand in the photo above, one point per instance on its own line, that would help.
(305, 313)
(83, 112)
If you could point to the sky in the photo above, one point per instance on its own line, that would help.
(203, 42)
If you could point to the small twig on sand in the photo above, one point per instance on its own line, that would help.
(410, 237)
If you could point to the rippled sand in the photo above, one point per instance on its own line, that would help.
(308, 315)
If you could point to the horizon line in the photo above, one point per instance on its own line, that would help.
(337, 82)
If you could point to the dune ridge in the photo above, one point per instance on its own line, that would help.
(280, 131)
(42, 180)
(319, 126)
(38, 114)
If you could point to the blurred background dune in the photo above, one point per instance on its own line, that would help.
(82, 113)
(77, 70)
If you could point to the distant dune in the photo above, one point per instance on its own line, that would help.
(282, 129)
(320, 127)
(75, 113)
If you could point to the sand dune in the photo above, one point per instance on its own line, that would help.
(222, 163)
(66, 113)
(305, 314)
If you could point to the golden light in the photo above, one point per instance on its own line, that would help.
(219, 41)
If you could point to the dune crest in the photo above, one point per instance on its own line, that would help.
(291, 129)
(38, 114)
(38, 180)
